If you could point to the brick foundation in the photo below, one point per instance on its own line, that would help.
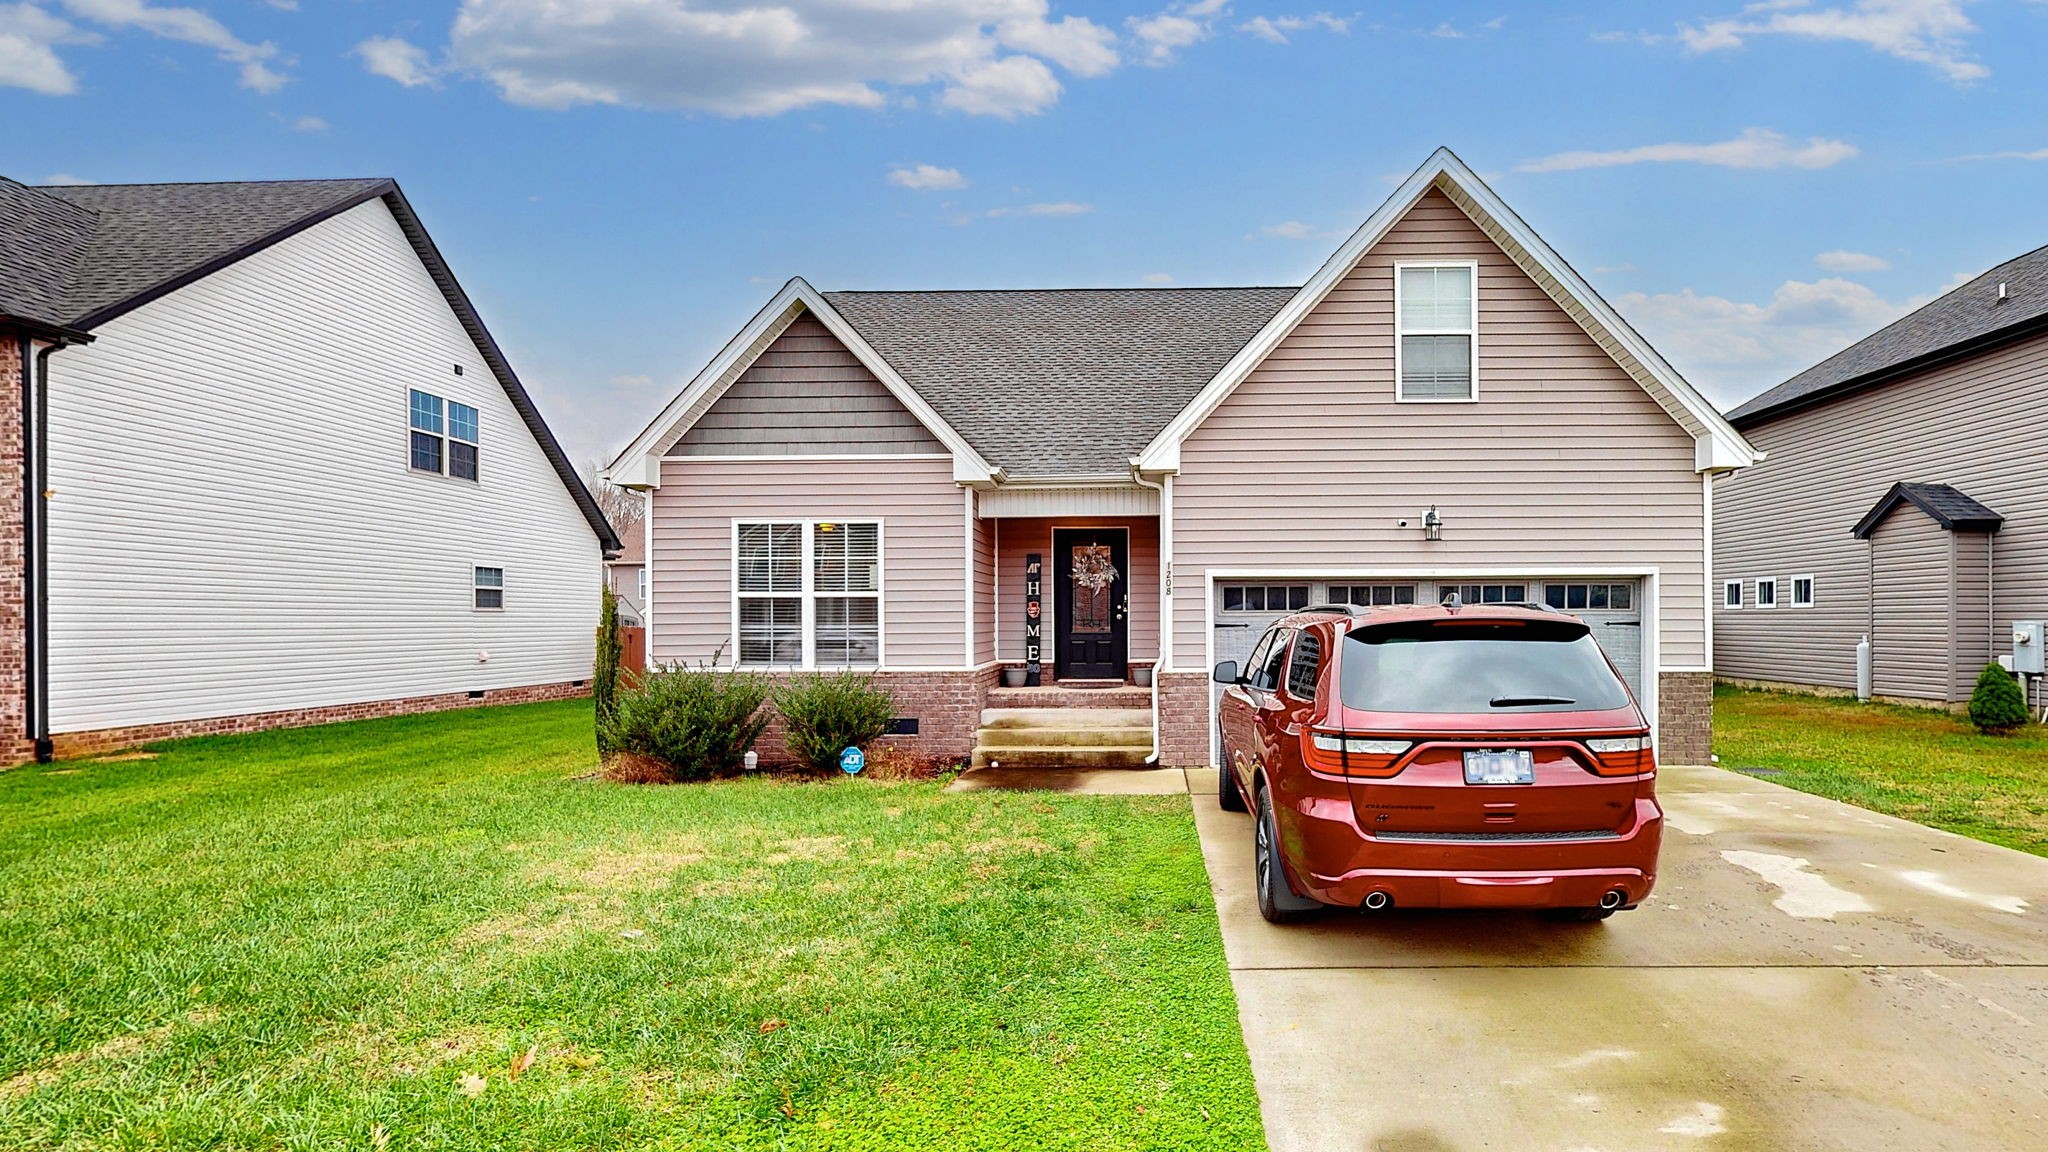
(15, 746)
(946, 705)
(1184, 719)
(1685, 717)
(74, 744)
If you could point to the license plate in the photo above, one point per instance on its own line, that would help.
(1515, 767)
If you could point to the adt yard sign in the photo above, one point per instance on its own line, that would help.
(851, 761)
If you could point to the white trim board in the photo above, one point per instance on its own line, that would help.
(639, 465)
(1718, 446)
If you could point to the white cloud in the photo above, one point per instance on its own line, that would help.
(2037, 154)
(927, 178)
(1158, 277)
(1446, 32)
(1056, 208)
(1842, 260)
(28, 50)
(1164, 33)
(190, 26)
(1275, 29)
(1735, 349)
(1930, 32)
(309, 124)
(1008, 88)
(766, 57)
(396, 59)
(1287, 230)
(64, 179)
(1755, 148)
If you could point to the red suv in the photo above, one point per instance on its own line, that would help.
(1485, 756)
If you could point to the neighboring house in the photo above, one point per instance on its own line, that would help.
(626, 575)
(276, 471)
(859, 478)
(1903, 498)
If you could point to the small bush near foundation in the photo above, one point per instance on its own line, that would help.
(1996, 705)
(887, 763)
(683, 724)
(604, 677)
(822, 715)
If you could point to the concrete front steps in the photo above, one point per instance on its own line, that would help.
(1105, 734)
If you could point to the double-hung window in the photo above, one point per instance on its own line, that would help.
(445, 436)
(1436, 352)
(487, 589)
(808, 593)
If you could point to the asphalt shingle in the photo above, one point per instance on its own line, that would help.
(1060, 382)
(1955, 317)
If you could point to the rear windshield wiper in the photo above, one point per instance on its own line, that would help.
(1521, 701)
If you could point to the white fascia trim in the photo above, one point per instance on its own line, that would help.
(639, 465)
(1444, 170)
(1095, 480)
(1538, 572)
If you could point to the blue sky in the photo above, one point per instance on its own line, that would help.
(621, 183)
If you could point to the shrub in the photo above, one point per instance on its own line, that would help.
(1997, 705)
(823, 715)
(604, 677)
(694, 722)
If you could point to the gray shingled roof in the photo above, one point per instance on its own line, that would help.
(1950, 507)
(1954, 319)
(74, 256)
(1060, 382)
(80, 251)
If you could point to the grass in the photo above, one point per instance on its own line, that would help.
(1917, 763)
(339, 936)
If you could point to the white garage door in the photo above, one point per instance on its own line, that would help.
(1612, 607)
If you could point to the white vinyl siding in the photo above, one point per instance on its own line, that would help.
(182, 589)
(1436, 307)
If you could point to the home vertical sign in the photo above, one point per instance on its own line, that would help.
(1034, 618)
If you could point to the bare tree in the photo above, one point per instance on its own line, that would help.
(622, 506)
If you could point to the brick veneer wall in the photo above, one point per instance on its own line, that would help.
(15, 746)
(1184, 719)
(1685, 717)
(71, 744)
(946, 705)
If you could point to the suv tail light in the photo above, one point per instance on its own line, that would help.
(1343, 754)
(1622, 755)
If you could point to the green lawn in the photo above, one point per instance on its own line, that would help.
(1917, 763)
(339, 936)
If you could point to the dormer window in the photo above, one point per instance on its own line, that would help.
(1436, 346)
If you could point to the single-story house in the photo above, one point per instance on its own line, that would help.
(939, 485)
(267, 468)
(1903, 499)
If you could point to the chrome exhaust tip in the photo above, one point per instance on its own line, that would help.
(1378, 901)
(1613, 899)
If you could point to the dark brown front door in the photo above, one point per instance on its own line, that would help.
(1091, 635)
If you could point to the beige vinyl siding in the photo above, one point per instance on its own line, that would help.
(1976, 424)
(985, 621)
(1912, 609)
(1563, 461)
(1024, 535)
(1970, 561)
(924, 562)
(807, 394)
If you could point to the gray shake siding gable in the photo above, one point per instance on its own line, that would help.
(1974, 423)
(806, 394)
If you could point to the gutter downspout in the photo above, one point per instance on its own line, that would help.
(36, 553)
(1165, 579)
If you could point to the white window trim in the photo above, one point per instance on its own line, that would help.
(1472, 331)
(809, 595)
(1725, 586)
(1763, 582)
(475, 586)
(1792, 587)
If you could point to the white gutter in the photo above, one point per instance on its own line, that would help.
(1165, 579)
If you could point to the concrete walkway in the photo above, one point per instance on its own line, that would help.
(1807, 976)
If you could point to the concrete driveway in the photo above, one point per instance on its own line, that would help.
(1807, 976)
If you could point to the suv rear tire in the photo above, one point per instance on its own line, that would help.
(1277, 901)
(1228, 796)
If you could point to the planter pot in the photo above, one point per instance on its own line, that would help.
(1142, 677)
(1013, 677)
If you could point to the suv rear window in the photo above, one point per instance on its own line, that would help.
(1482, 666)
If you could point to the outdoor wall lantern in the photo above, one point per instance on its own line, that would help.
(1432, 525)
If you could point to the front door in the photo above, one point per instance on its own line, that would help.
(1091, 634)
